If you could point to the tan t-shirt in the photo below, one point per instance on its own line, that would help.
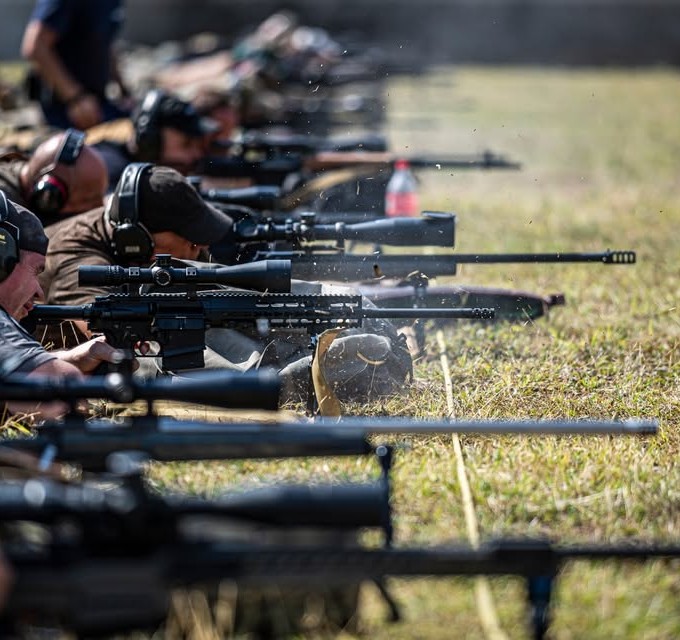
(84, 239)
(9, 180)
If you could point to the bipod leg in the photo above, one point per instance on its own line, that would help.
(392, 605)
(419, 283)
(385, 455)
(312, 403)
(539, 592)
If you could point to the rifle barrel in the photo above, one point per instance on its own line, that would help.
(353, 267)
(166, 439)
(459, 313)
(605, 257)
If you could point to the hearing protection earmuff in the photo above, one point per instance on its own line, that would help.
(147, 130)
(131, 240)
(49, 193)
(9, 240)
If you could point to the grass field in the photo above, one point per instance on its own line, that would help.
(600, 151)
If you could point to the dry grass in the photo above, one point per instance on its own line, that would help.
(600, 152)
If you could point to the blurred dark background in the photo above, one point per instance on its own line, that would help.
(572, 32)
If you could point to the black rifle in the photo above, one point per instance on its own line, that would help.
(124, 551)
(127, 549)
(272, 144)
(91, 443)
(274, 169)
(177, 321)
(344, 267)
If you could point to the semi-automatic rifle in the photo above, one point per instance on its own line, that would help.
(177, 322)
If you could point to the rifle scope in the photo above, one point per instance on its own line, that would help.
(432, 229)
(341, 506)
(260, 197)
(264, 275)
(216, 387)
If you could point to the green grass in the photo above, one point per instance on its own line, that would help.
(600, 151)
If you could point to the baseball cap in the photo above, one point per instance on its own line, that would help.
(167, 202)
(31, 233)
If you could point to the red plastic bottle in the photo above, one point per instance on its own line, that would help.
(401, 194)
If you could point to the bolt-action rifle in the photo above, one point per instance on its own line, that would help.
(216, 387)
(272, 167)
(91, 443)
(177, 322)
(345, 267)
(297, 144)
(311, 261)
(299, 239)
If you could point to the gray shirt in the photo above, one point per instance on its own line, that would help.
(19, 351)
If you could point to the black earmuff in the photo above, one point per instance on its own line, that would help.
(147, 129)
(49, 193)
(9, 240)
(131, 241)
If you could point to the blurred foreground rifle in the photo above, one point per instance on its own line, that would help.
(105, 560)
(177, 322)
(109, 560)
(91, 444)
